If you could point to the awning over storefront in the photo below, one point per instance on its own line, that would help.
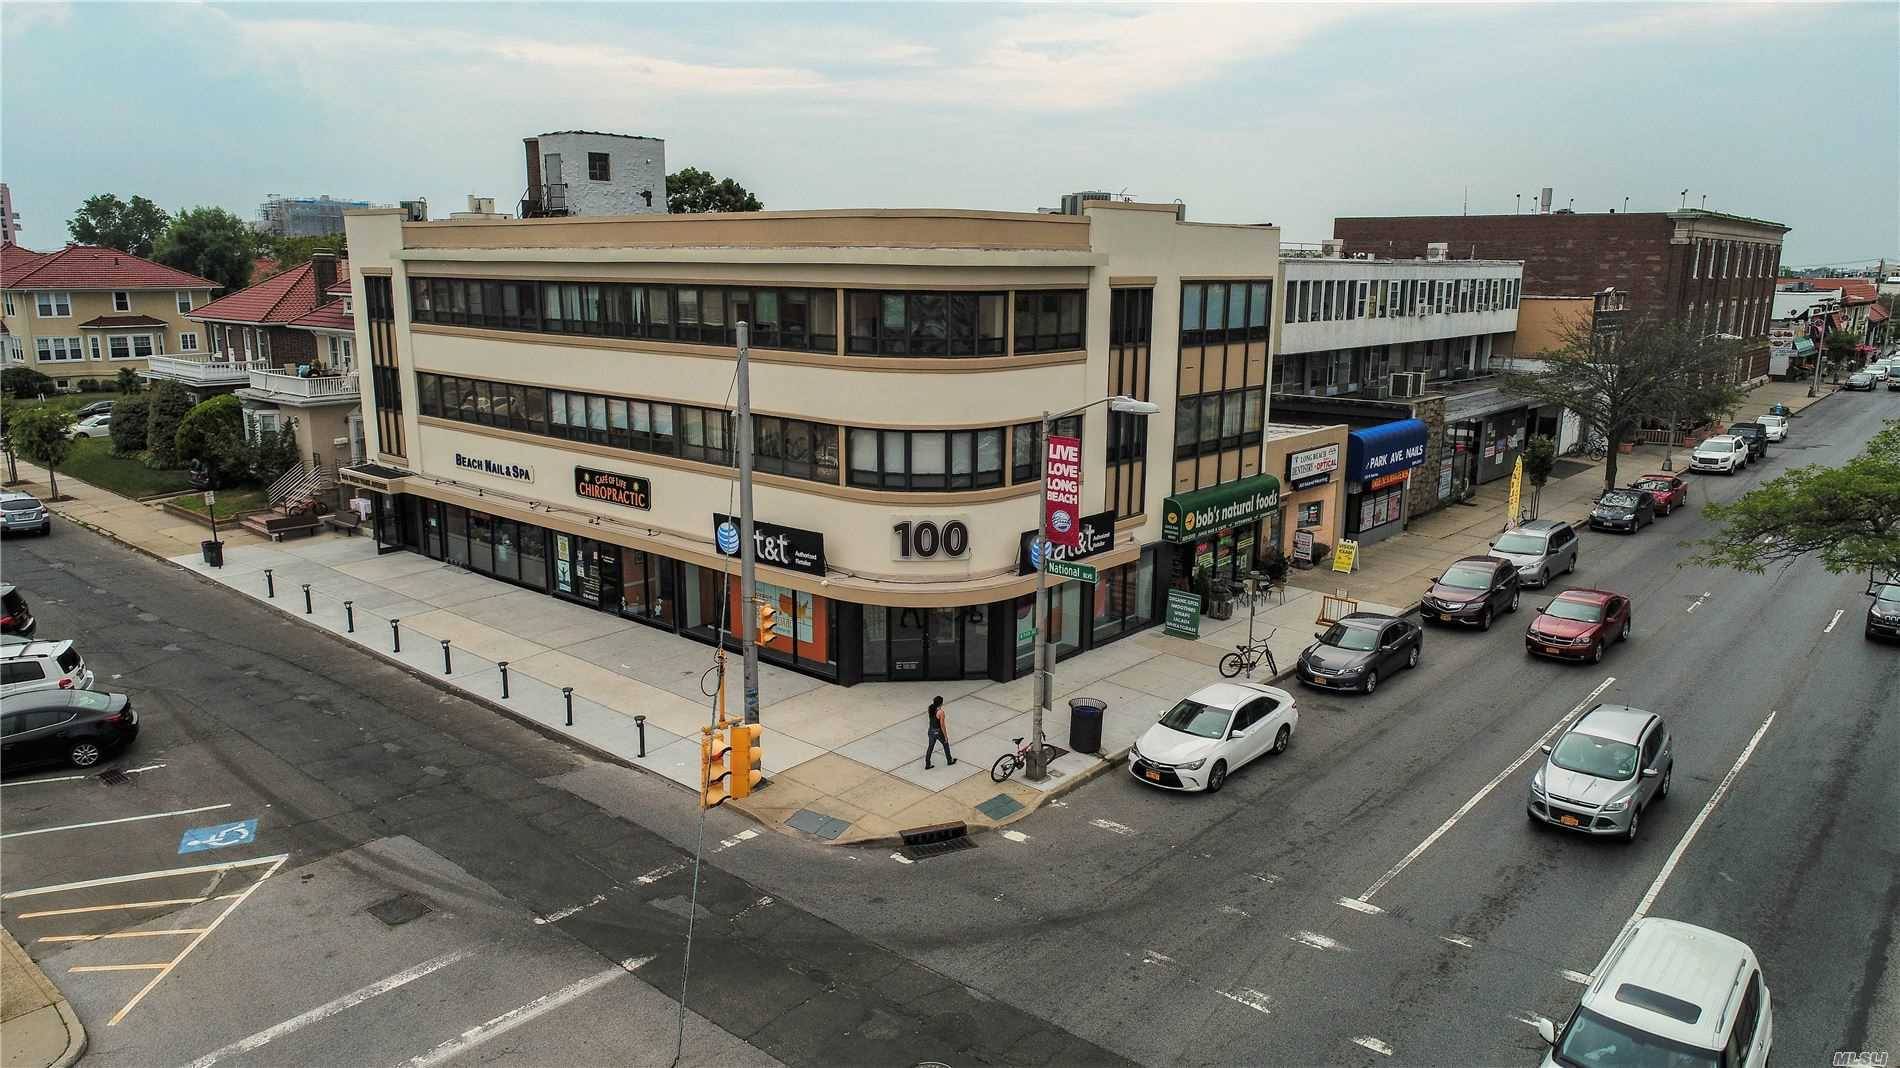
(378, 477)
(1188, 516)
(1803, 347)
(1386, 448)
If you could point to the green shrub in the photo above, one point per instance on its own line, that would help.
(24, 382)
(129, 381)
(87, 385)
(170, 404)
(129, 418)
(212, 434)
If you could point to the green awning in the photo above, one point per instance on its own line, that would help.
(1188, 516)
(1803, 347)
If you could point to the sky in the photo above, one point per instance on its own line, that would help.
(1283, 113)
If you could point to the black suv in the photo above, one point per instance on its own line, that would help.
(1755, 434)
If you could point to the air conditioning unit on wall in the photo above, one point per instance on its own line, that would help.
(1405, 384)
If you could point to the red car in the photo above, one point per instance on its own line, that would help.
(1670, 491)
(1578, 625)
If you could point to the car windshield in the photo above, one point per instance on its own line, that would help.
(1521, 543)
(18, 506)
(1347, 636)
(1888, 594)
(1467, 578)
(1655, 485)
(1581, 611)
(1593, 1041)
(1193, 717)
(1859, 379)
(1717, 445)
(1772, 420)
(92, 700)
(1618, 500)
(1591, 755)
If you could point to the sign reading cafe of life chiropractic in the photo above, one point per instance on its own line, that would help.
(1062, 475)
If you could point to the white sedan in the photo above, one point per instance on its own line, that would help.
(94, 426)
(1211, 733)
(1775, 426)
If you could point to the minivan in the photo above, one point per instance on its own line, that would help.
(1542, 549)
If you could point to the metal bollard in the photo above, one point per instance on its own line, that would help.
(306, 598)
(349, 617)
(567, 694)
(395, 635)
(640, 722)
(446, 670)
(503, 665)
(270, 585)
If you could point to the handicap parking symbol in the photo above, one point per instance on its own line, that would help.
(218, 836)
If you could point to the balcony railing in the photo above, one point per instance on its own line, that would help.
(203, 369)
(312, 388)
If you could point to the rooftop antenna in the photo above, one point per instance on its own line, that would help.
(1705, 202)
(1520, 204)
(1467, 200)
(1573, 204)
(1626, 205)
(1685, 199)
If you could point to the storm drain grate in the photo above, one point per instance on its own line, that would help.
(114, 777)
(938, 849)
(400, 909)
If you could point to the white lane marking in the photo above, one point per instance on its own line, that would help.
(562, 914)
(1829, 629)
(1374, 1045)
(1576, 977)
(237, 899)
(1249, 997)
(662, 872)
(1314, 939)
(902, 859)
(634, 964)
(1458, 940)
(1357, 905)
(1230, 910)
(742, 836)
(1058, 804)
(1485, 791)
(329, 1008)
(514, 1018)
(76, 778)
(1698, 601)
(1152, 957)
(1118, 828)
(1528, 1017)
(108, 823)
(1675, 855)
(1014, 836)
(1263, 877)
(764, 902)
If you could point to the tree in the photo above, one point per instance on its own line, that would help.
(211, 243)
(1653, 370)
(43, 434)
(129, 381)
(269, 453)
(130, 414)
(1843, 348)
(1848, 515)
(1540, 456)
(692, 191)
(211, 436)
(106, 220)
(170, 404)
(291, 251)
(24, 382)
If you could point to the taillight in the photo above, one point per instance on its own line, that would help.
(116, 718)
(66, 683)
(7, 621)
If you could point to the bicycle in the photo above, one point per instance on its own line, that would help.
(1007, 764)
(1247, 657)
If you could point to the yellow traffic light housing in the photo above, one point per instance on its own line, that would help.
(768, 617)
(747, 760)
(715, 773)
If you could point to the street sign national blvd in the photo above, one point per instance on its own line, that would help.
(1065, 569)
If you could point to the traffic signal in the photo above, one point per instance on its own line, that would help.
(714, 772)
(768, 615)
(746, 761)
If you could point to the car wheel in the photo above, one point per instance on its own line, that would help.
(1216, 776)
(1372, 681)
(1625, 636)
(84, 754)
(1636, 815)
(1572, 566)
(1596, 653)
(1484, 619)
(1285, 738)
(1515, 596)
(1663, 790)
(1411, 659)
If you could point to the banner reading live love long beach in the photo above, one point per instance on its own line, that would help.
(1062, 471)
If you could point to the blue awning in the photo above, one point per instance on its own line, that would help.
(1383, 449)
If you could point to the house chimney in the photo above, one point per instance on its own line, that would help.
(323, 269)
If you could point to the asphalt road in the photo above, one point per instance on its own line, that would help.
(1121, 923)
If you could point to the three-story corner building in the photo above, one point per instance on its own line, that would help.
(88, 313)
(549, 402)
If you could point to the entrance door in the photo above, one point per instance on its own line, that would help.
(606, 564)
(945, 650)
(907, 643)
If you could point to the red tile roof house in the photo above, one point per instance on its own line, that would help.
(85, 312)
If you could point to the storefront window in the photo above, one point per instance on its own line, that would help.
(532, 544)
(458, 535)
(507, 563)
(1311, 514)
(976, 640)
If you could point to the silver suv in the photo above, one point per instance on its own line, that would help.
(1607, 768)
(1542, 549)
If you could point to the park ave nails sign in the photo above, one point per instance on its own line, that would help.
(1062, 473)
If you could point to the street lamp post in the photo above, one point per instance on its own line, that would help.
(1038, 768)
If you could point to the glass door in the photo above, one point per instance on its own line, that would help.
(945, 651)
(907, 643)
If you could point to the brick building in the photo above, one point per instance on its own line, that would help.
(1714, 269)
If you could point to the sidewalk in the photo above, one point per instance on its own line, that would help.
(38, 1028)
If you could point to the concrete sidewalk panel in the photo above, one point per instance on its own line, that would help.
(478, 638)
(890, 748)
(445, 587)
(381, 569)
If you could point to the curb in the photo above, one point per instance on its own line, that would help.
(77, 1040)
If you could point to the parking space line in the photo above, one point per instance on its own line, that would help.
(1830, 623)
(76, 778)
(329, 1009)
(514, 1018)
(1485, 791)
(108, 823)
(120, 934)
(136, 877)
(1373, 1044)
(113, 908)
(119, 967)
(196, 941)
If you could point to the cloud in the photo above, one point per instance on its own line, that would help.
(1674, 19)
(25, 17)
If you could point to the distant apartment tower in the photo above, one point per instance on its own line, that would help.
(580, 172)
(9, 219)
(304, 216)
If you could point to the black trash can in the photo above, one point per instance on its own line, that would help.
(214, 553)
(1085, 724)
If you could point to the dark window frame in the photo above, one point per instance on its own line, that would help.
(642, 310)
(599, 167)
(905, 479)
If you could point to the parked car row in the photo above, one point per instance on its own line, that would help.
(48, 708)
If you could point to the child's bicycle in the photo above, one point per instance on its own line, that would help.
(1007, 764)
(1247, 657)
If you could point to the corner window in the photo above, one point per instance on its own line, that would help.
(597, 169)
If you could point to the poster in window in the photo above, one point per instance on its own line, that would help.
(563, 568)
(1366, 513)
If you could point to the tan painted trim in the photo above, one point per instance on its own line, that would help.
(375, 272)
(393, 457)
(885, 364)
(1130, 522)
(861, 228)
(501, 273)
(1131, 280)
(924, 498)
(1267, 278)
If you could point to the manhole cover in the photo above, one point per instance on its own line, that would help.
(400, 909)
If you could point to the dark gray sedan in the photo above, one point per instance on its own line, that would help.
(1628, 510)
(1356, 651)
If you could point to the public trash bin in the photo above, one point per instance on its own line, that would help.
(1085, 724)
(214, 553)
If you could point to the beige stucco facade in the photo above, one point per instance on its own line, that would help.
(1316, 446)
(1542, 322)
(95, 345)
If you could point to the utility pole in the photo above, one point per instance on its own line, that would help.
(748, 563)
(1038, 769)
